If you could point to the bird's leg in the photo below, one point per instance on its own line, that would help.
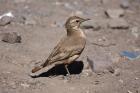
(66, 67)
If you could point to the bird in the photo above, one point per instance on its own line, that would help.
(69, 47)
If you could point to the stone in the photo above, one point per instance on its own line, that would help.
(30, 20)
(121, 81)
(114, 13)
(19, 19)
(91, 25)
(135, 32)
(5, 20)
(124, 4)
(11, 38)
(25, 85)
(117, 72)
(129, 91)
(110, 69)
(118, 23)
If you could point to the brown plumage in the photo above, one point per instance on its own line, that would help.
(70, 47)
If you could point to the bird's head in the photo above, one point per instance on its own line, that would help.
(74, 22)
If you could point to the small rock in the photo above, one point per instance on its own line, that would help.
(110, 69)
(91, 25)
(5, 20)
(136, 78)
(25, 85)
(30, 21)
(117, 72)
(135, 32)
(11, 38)
(97, 82)
(121, 81)
(86, 73)
(13, 85)
(118, 23)
(114, 13)
(124, 4)
(19, 19)
(129, 91)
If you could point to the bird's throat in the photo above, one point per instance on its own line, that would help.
(75, 32)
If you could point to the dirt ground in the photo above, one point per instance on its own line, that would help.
(40, 23)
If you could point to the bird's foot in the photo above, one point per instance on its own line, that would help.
(67, 77)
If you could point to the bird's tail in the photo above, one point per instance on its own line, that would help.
(35, 69)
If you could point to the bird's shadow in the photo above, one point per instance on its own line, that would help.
(75, 67)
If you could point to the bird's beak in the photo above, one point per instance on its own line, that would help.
(83, 20)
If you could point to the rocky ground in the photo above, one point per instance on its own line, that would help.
(29, 29)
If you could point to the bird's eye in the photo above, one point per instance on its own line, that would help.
(77, 21)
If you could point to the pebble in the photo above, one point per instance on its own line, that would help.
(11, 38)
(25, 85)
(110, 69)
(118, 23)
(19, 19)
(117, 72)
(30, 20)
(129, 91)
(124, 4)
(135, 32)
(136, 78)
(86, 73)
(91, 25)
(5, 20)
(13, 85)
(114, 13)
(121, 81)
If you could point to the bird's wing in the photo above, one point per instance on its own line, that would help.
(63, 51)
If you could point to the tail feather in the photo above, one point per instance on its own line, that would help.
(35, 69)
(45, 63)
